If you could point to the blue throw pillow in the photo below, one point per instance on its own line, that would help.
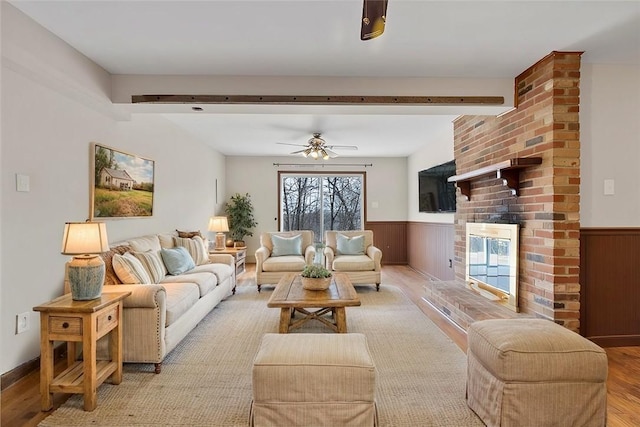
(350, 245)
(177, 260)
(283, 246)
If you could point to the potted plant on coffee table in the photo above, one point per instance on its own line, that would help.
(315, 277)
(239, 212)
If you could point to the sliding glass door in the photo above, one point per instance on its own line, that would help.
(319, 202)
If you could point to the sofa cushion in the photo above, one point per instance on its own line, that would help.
(206, 281)
(129, 269)
(283, 246)
(221, 271)
(180, 298)
(349, 245)
(284, 263)
(353, 263)
(153, 264)
(145, 243)
(177, 260)
(196, 248)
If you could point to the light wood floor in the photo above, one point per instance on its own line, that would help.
(21, 401)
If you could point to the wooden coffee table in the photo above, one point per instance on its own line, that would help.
(291, 297)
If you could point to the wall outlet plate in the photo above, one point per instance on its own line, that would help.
(22, 322)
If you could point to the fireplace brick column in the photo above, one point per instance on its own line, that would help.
(544, 124)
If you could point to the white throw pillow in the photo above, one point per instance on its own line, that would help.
(129, 269)
(153, 265)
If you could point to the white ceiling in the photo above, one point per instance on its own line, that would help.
(466, 39)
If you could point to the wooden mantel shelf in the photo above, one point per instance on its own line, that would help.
(508, 170)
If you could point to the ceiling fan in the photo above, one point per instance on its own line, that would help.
(317, 148)
(374, 16)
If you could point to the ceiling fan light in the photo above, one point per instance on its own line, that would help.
(325, 155)
(306, 152)
(314, 154)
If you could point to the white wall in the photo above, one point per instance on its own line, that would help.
(47, 126)
(434, 152)
(610, 144)
(386, 185)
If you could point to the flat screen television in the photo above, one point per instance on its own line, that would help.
(435, 193)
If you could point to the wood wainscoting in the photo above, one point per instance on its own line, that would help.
(391, 238)
(610, 286)
(430, 249)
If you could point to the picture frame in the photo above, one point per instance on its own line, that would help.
(122, 184)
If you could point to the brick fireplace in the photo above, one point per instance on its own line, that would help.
(544, 124)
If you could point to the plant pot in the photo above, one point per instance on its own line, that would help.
(316, 284)
(239, 244)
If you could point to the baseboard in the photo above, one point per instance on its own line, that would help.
(16, 374)
(616, 340)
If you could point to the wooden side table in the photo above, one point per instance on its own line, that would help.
(239, 254)
(64, 319)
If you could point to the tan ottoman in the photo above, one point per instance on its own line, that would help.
(313, 380)
(533, 372)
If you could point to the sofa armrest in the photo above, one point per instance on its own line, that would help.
(142, 296)
(328, 257)
(376, 255)
(309, 254)
(222, 259)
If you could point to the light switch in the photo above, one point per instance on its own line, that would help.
(609, 187)
(22, 182)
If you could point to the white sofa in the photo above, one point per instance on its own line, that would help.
(157, 316)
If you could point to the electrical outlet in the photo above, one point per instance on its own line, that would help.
(22, 322)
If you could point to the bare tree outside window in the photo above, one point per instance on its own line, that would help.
(321, 202)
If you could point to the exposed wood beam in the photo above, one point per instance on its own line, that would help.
(316, 100)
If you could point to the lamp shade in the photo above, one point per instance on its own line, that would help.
(219, 224)
(85, 238)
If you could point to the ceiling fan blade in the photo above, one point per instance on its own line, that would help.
(332, 154)
(342, 147)
(295, 145)
(374, 17)
(299, 151)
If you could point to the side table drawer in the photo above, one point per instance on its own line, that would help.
(64, 327)
(107, 320)
(241, 255)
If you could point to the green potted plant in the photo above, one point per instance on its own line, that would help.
(315, 277)
(239, 212)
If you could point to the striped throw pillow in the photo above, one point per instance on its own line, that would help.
(129, 269)
(196, 248)
(153, 265)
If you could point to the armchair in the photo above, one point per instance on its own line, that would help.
(281, 253)
(353, 253)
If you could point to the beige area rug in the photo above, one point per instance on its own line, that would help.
(206, 380)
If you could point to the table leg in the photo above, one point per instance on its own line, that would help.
(115, 343)
(341, 319)
(285, 319)
(89, 363)
(46, 364)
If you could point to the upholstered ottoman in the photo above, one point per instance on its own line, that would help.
(533, 372)
(313, 380)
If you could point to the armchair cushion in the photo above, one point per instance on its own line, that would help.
(283, 246)
(353, 263)
(349, 245)
(284, 263)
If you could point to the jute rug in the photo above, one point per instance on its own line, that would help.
(206, 380)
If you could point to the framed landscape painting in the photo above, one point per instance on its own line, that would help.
(121, 184)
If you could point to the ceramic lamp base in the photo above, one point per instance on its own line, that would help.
(86, 277)
(220, 242)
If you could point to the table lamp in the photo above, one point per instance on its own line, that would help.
(85, 240)
(220, 225)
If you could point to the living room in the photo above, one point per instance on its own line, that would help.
(55, 102)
